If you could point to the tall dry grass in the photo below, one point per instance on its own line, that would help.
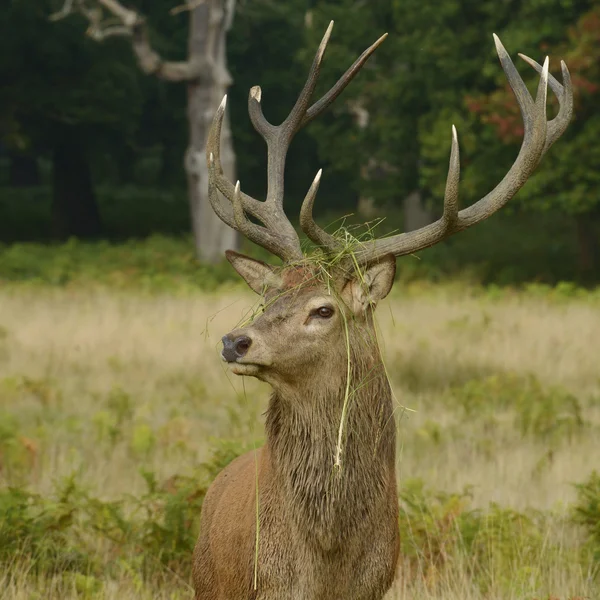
(74, 362)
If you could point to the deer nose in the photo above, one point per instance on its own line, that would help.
(235, 347)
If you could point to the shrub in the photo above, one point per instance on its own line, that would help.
(39, 530)
(549, 413)
(72, 530)
(502, 552)
(156, 263)
(18, 453)
(587, 512)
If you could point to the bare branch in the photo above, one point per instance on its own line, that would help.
(109, 18)
(65, 11)
(100, 34)
(188, 6)
(229, 13)
(128, 17)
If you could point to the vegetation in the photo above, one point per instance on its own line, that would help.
(507, 252)
(71, 99)
(116, 414)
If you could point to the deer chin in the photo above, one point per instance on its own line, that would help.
(250, 369)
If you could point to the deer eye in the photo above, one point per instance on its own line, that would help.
(324, 312)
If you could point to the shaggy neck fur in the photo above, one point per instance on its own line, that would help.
(328, 503)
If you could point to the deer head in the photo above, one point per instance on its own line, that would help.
(305, 324)
(308, 309)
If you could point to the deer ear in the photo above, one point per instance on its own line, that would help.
(257, 274)
(372, 285)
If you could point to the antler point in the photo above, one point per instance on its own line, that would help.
(324, 42)
(379, 41)
(545, 69)
(256, 93)
(500, 49)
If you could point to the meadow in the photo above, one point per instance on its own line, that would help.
(116, 412)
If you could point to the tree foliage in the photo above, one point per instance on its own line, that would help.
(387, 136)
(54, 78)
(568, 179)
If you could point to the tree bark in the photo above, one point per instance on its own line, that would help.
(74, 208)
(208, 29)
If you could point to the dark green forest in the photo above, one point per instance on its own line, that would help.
(91, 148)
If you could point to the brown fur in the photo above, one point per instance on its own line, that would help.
(324, 533)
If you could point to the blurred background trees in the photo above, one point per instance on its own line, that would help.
(92, 147)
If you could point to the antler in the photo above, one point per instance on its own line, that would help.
(276, 233)
(539, 135)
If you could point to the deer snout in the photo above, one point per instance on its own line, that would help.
(235, 346)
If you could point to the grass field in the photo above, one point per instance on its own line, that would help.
(116, 412)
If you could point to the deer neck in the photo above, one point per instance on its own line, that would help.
(326, 501)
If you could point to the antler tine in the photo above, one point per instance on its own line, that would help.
(294, 120)
(257, 233)
(291, 125)
(240, 221)
(538, 136)
(318, 107)
(277, 235)
(278, 139)
(450, 215)
(558, 125)
(524, 99)
(213, 149)
(308, 224)
(279, 242)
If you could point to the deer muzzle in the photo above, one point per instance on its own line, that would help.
(234, 347)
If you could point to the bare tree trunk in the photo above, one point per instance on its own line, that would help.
(205, 73)
(416, 214)
(208, 29)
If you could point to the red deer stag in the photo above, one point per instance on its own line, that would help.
(313, 514)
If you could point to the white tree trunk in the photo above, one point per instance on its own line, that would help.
(205, 73)
(209, 23)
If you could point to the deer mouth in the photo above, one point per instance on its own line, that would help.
(245, 368)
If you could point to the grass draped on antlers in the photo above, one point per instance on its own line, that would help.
(324, 267)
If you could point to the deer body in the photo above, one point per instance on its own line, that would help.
(313, 515)
(324, 532)
(321, 535)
